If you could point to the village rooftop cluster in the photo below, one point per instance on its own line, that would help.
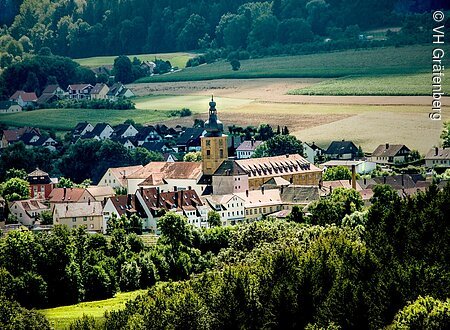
(237, 186)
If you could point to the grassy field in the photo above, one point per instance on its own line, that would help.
(62, 317)
(379, 61)
(66, 119)
(176, 59)
(412, 84)
(150, 109)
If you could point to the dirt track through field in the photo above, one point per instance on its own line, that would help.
(272, 90)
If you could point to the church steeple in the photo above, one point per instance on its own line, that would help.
(214, 142)
(213, 125)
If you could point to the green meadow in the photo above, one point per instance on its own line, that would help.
(176, 59)
(149, 109)
(377, 61)
(62, 317)
(408, 84)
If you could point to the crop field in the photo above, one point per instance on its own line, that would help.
(176, 59)
(412, 84)
(379, 61)
(62, 317)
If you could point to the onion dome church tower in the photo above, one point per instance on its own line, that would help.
(214, 142)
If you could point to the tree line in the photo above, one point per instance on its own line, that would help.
(387, 266)
(97, 27)
(340, 268)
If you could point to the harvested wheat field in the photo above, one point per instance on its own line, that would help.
(270, 90)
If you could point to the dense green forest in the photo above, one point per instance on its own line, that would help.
(342, 268)
(82, 28)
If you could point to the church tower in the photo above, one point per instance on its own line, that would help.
(214, 143)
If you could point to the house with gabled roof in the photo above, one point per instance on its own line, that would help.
(79, 91)
(342, 150)
(148, 67)
(390, 154)
(24, 99)
(27, 211)
(247, 148)
(81, 129)
(125, 130)
(156, 146)
(118, 91)
(41, 185)
(101, 131)
(438, 157)
(147, 134)
(82, 214)
(259, 203)
(12, 136)
(127, 142)
(189, 140)
(167, 176)
(9, 107)
(116, 177)
(46, 142)
(119, 205)
(69, 195)
(99, 91)
(50, 94)
(29, 138)
(311, 151)
(230, 208)
(154, 203)
(101, 192)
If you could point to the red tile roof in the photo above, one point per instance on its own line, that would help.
(59, 195)
(173, 200)
(26, 96)
(170, 170)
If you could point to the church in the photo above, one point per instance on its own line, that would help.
(229, 176)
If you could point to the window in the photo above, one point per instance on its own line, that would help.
(221, 153)
(208, 154)
(84, 218)
(74, 219)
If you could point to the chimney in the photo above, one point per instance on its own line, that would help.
(436, 151)
(262, 190)
(287, 155)
(176, 197)
(253, 141)
(175, 188)
(189, 188)
(354, 177)
(65, 192)
(387, 145)
(246, 193)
